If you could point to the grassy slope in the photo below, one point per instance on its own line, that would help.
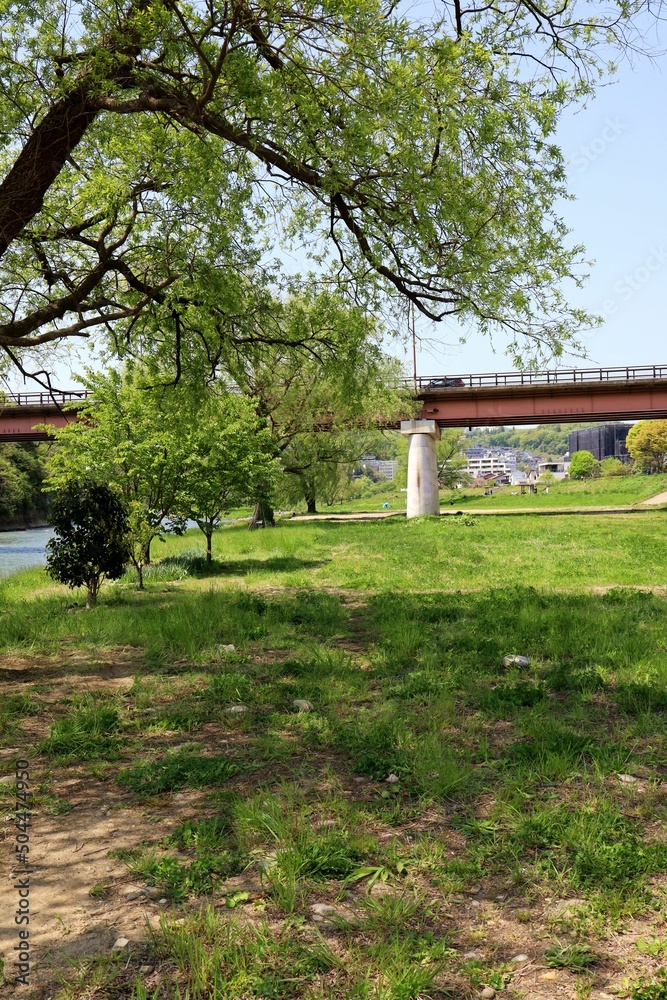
(508, 794)
(612, 492)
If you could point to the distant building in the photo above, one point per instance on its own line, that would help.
(386, 469)
(603, 441)
(495, 461)
(559, 470)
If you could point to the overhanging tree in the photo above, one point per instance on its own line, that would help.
(323, 408)
(145, 144)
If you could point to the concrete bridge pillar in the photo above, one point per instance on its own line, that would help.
(423, 497)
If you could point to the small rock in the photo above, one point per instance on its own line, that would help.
(627, 779)
(475, 902)
(133, 895)
(359, 780)
(149, 711)
(392, 779)
(500, 899)
(513, 660)
(237, 709)
(475, 889)
(179, 797)
(301, 705)
(519, 958)
(163, 901)
(228, 648)
(472, 954)
(488, 993)
(121, 942)
(152, 892)
(323, 910)
(7, 780)
(145, 970)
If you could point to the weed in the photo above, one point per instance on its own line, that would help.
(85, 734)
(575, 957)
(176, 770)
(656, 990)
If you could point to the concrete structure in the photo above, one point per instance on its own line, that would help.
(423, 496)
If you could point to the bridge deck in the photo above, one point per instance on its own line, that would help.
(478, 400)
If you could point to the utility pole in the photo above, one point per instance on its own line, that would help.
(414, 344)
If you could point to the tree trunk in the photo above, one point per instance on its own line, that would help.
(311, 503)
(262, 516)
(209, 547)
(91, 595)
(147, 553)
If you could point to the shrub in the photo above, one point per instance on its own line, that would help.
(91, 543)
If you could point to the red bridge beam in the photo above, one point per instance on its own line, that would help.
(493, 406)
(17, 423)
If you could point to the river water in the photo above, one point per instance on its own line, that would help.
(20, 549)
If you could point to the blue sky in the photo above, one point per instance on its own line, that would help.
(617, 152)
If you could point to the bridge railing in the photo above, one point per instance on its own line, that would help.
(42, 398)
(558, 376)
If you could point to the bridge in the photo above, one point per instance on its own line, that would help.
(561, 396)
(486, 400)
(22, 412)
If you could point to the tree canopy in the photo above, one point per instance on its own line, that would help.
(647, 443)
(152, 151)
(584, 465)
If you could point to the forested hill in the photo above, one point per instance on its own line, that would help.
(547, 441)
(22, 471)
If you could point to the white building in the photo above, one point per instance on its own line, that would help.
(488, 461)
(559, 470)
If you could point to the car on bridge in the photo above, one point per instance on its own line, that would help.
(446, 383)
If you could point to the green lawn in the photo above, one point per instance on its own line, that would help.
(453, 813)
(609, 492)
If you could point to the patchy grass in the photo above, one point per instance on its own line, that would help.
(434, 817)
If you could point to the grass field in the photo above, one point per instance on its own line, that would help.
(610, 492)
(425, 822)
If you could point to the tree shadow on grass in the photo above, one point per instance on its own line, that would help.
(196, 566)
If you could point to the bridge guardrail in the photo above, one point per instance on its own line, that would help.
(558, 376)
(42, 398)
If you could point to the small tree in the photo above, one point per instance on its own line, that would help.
(647, 443)
(230, 461)
(91, 525)
(584, 465)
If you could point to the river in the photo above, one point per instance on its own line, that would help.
(20, 549)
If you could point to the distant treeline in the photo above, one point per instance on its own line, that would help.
(22, 472)
(547, 441)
